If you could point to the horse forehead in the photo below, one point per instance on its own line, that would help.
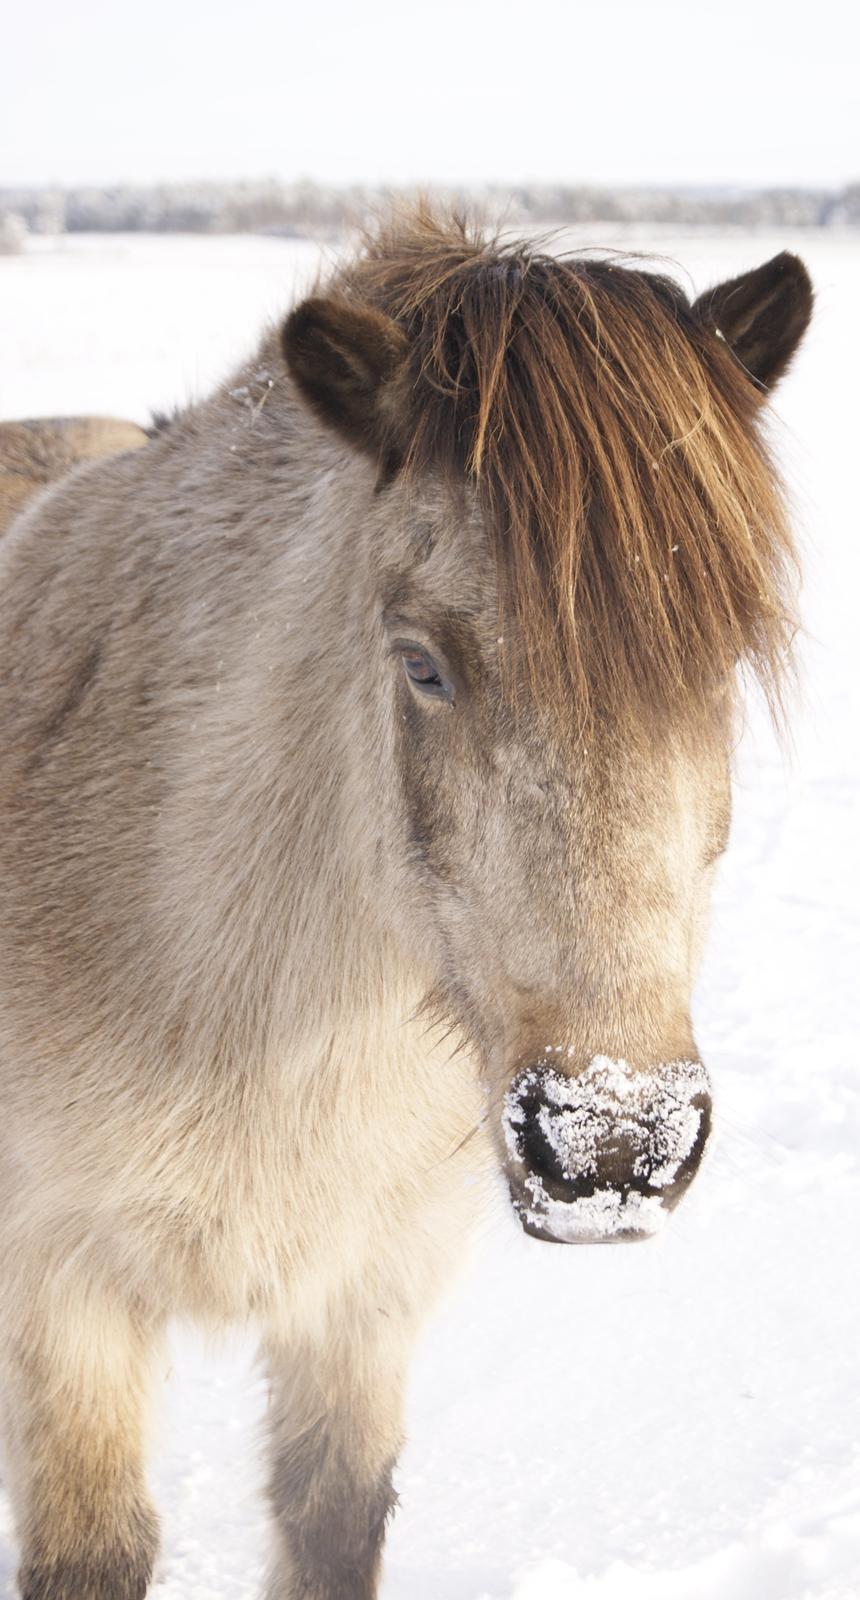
(437, 526)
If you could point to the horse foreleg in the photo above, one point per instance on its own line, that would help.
(336, 1431)
(75, 1365)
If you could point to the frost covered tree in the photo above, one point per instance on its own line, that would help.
(13, 233)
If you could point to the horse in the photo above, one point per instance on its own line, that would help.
(366, 760)
(34, 453)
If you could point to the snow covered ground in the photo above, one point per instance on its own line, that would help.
(679, 1421)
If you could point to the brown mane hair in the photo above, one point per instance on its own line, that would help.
(614, 439)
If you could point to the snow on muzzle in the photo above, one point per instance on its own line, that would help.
(603, 1156)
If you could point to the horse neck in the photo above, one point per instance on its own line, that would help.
(283, 932)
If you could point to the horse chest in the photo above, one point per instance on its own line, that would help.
(276, 1202)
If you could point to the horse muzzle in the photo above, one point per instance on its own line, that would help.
(602, 1157)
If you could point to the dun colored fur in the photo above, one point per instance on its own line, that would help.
(391, 684)
(33, 454)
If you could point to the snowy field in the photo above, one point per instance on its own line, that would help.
(679, 1421)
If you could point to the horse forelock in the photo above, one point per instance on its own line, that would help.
(641, 536)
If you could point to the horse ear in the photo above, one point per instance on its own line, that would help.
(762, 315)
(343, 358)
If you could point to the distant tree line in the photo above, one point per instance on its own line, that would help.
(308, 209)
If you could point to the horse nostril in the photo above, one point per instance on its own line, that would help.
(537, 1147)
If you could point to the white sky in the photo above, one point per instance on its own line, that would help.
(624, 91)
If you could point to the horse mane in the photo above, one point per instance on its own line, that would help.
(615, 441)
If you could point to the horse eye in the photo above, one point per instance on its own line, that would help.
(422, 670)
